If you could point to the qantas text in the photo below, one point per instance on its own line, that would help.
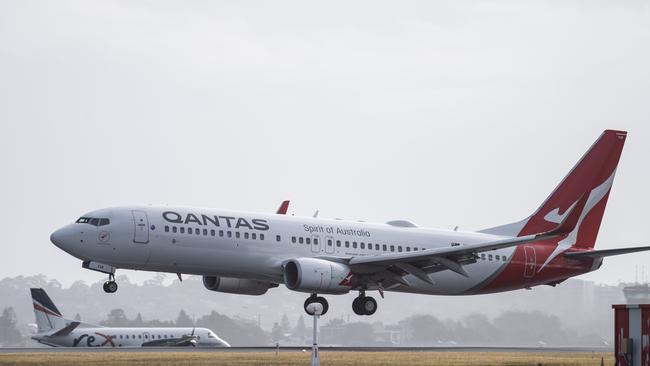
(227, 221)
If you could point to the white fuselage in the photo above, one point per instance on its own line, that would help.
(212, 242)
(129, 337)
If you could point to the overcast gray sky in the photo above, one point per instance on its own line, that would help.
(445, 113)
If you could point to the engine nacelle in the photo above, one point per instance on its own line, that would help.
(236, 285)
(317, 276)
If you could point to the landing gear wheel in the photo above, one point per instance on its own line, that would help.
(364, 305)
(369, 305)
(110, 287)
(356, 306)
(319, 299)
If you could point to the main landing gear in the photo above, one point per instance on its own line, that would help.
(364, 305)
(319, 299)
(110, 286)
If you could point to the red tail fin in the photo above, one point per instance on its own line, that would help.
(592, 176)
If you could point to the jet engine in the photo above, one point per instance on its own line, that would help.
(317, 276)
(236, 285)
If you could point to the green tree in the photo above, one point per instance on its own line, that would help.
(9, 333)
(285, 326)
(116, 318)
(300, 330)
(277, 333)
(184, 320)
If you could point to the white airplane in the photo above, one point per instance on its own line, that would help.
(55, 330)
(248, 253)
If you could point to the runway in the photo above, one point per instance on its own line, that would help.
(307, 348)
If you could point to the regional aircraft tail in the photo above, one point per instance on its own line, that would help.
(592, 177)
(48, 316)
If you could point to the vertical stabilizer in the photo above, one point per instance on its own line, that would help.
(48, 316)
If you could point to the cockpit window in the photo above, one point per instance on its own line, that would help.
(93, 221)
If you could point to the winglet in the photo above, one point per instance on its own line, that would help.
(282, 210)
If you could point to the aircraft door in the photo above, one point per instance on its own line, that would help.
(141, 227)
(531, 261)
(329, 245)
(315, 244)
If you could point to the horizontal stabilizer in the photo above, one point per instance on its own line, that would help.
(594, 254)
(65, 330)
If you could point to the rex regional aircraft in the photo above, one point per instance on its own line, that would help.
(248, 253)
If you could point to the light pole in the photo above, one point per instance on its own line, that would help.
(315, 309)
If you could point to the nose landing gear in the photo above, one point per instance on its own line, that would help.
(319, 299)
(110, 286)
(364, 305)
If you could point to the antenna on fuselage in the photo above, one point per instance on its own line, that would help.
(316, 214)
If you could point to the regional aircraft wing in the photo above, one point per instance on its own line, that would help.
(65, 330)
(422, 263)
(595, 254)
(171, 342)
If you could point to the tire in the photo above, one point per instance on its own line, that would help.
(106, 287)
(369, 305)
(111, 286)
(356, 306)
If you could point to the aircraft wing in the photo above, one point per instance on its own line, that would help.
(171, 342)
(594, 254)
(422, 263)
(65, 330)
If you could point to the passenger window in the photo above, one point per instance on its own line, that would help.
(230, 234)
(376, 246)
(347, 244)
(300, 240)
(307, 241)
(415, 249)
(245, 235)
(166, 228)
(139, 336)
(254, 236)
(392, 248)
(261, 236)
(497, 257)
(197, 231)
(182, 230)
(504, 258)
(384, 247)
(315, 240)
(205, 232)
(237, 234)
(212, 232)
(338, 243)
(126, 336)
(489, 257)
(483, 256)
(173, 229)
(120, 336)
(221, 233)
(408, 249)
(329, 242)
(363, 245)
(189, 230)
(354, 244)
(293, 239)
(104, 222)
(277, 238)
(399, 248)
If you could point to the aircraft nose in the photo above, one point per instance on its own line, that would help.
(62, 237)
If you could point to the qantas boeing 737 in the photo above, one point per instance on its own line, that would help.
(249, 253)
